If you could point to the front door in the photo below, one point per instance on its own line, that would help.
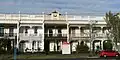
(46, 45)
(22, 47)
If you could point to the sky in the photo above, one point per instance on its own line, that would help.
(69, 6)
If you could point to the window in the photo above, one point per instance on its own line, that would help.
(33, 44)
(55, 32)
(11, 31)
(35, 30)
(21, 30)
(64, 32)
(1, 31)
(26, 30)
(50, 32)
(77, 32)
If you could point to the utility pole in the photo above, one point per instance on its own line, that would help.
(66, 18)
(16, 44)
(90, 39)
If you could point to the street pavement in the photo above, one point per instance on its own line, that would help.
(59, 57)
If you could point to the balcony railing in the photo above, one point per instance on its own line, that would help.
(48, 17)
(100, 35)
(23, 16)
(79, 35)
(8, 34)
(26, 34)
(87, 35)
(55, 35)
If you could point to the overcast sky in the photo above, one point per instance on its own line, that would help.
(70, 6)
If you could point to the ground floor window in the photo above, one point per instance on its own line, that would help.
(55, 46)
(33, 46)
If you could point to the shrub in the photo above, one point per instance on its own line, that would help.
(107, 45)
(82, 48)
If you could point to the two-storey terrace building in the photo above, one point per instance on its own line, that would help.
(37, 32)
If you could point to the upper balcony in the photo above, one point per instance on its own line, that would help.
(26, 36)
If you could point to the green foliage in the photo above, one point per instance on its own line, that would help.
(107, 45)
(82, 48)
(113, 21)
(5, 43)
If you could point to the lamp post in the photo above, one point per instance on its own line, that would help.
(91, 22)
(17, 38)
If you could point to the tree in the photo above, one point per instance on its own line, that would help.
(5, 43)
(82, 48)
(107, 45)
(112, 21)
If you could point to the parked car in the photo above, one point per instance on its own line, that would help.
(109, 53)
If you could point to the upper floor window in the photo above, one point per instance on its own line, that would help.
(1, 29)
(26, 30)
(35, 29)
(55, 32)
(11, 30)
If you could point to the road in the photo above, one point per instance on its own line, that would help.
(75, 59)
(87, 58)
(56, 57)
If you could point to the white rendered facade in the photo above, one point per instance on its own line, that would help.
(31, 29)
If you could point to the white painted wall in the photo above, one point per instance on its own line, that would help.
(42, 45)
(30, 31)
(40, 31)
(86, 31)
(15, 31)
(77, 32)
